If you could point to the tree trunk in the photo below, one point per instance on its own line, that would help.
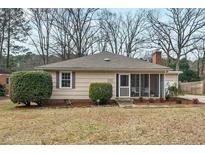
(2, 41)
(198, 68)
(8, 41)
(177, 64)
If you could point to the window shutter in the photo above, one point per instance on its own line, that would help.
(117, 85)
(73, 80)
(57, 79)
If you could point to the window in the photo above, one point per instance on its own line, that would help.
(7, 80)
(65, 80)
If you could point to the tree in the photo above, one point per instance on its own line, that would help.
(188, 75)
(179, 30)
(122, 34)
(111, 32)
(134, 28)
(42, 22)
(200, 55)
(2, 33)
(63, 45)
(13, 25)
(79, 28)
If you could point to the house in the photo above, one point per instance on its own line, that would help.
(5, 79)
(130, 78)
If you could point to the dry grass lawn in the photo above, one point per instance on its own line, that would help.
(101, 125)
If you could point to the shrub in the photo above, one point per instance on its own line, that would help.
(174, 91)
(195, 101)
(101, 92)
(30, 86)
(2, 90)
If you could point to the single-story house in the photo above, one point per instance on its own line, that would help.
(5, 79)
(130, 77)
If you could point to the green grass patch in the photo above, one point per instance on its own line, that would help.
(7, 106)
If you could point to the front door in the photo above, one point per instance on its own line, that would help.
(124, 85)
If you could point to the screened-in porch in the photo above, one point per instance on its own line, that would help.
(141, 85)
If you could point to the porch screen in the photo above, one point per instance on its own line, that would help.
(154, 85)
(135, 85)
(145, 85)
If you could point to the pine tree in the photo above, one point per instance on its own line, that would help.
(14, 32)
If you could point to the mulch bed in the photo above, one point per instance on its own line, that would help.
(62, 104)
(171, 101)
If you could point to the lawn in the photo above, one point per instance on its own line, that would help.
(101, 125)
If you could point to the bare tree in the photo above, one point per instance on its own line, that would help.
(80, 28)
(134, 28)
(199, 53)
(158, 39)
(111, 33)
(42, 22)
(122, 34)
(179, 29)
(61, 41)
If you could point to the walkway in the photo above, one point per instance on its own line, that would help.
(4, 99)
(201, 98)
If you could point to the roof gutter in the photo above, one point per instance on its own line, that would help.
(103, 69)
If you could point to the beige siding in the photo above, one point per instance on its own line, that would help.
(82, 82)
(170, 80)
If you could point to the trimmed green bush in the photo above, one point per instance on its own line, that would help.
(30, 86)
(2, 90)
(101, 92)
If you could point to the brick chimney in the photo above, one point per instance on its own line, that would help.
(156, 57)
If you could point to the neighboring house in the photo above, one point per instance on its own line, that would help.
(4, 80)
(129, 77)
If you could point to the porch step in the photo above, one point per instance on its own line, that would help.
(124, 102)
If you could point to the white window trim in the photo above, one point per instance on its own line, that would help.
(60, 80)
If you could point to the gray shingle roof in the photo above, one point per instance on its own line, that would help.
(97, 62)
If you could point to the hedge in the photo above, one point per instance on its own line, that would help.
(101, 92)
(30, 86)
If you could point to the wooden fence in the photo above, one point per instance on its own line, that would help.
(197, 87)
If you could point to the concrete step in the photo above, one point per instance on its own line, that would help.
(124, 102)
